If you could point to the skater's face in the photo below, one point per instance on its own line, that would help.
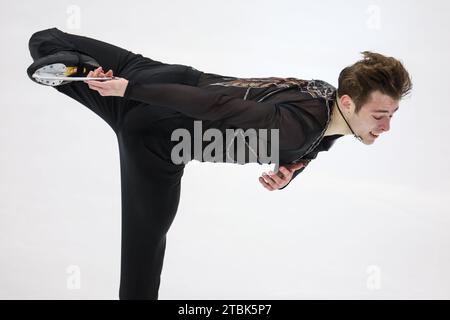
(374, 117)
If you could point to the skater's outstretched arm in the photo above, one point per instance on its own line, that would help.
(202, 104)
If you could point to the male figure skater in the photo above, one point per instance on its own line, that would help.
(150, 99)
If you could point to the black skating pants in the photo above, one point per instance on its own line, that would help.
(150, 182)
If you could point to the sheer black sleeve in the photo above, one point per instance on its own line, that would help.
(202, 104)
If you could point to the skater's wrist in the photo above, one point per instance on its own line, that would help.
(123, 87)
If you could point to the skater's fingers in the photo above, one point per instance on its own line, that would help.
(92, 74)
(94, 87)
(270, 180)
(286, 173)
(275, 177)
(265, 184)
(100, 91)
(98, 84)
(97, 71)
(114, 87)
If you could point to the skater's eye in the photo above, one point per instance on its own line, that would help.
(379, 118)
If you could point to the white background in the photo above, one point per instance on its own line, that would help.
(365, 222)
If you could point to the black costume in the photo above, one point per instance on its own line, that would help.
(162, 97)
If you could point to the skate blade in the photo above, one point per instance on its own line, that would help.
(55, 74)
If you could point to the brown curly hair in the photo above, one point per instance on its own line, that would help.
(374, 72)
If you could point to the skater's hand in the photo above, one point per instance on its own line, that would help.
(273, 181)
(114, 87)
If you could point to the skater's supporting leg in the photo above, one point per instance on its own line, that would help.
(150, 197)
